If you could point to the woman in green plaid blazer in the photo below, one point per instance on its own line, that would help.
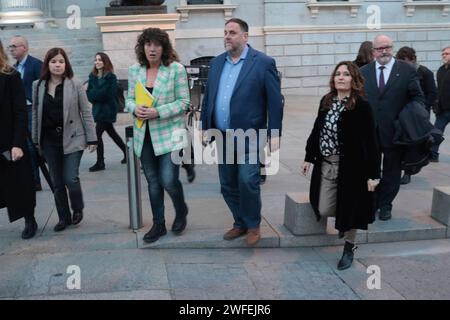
(164, 130)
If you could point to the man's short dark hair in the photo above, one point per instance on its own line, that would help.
(240, 22)
(406, 52)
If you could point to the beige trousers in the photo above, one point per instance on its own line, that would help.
(328, 192)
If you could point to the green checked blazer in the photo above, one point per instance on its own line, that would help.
(171, 92)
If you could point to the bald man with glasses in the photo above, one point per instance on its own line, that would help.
(29, 68)
(390, 85)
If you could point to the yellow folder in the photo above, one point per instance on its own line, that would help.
(143, 98)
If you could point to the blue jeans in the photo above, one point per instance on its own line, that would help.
(32, 150)
(162, 174)
(240, 187)
(442, 119)
(64, 170)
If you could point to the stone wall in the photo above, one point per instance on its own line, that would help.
(306, 48)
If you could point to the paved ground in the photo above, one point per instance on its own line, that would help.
(114, 266)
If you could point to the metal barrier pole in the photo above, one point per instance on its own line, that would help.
(134, 183)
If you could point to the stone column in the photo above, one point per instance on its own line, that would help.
(20, 11)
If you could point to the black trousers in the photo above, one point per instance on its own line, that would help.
(391, 175)
(109, 128)
(64, 171)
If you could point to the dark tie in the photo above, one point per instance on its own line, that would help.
(382, 83)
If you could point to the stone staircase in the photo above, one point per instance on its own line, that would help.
(80, 45)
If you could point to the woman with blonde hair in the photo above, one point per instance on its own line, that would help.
(17, 192)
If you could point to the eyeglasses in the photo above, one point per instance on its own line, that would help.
(381, 49)
(13, 46)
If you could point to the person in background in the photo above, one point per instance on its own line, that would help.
(365, 55)
(29, 68)
(101, 92)
(17, 192)
(62, 128)
(427, 84)
(343, 148)
(442, 106)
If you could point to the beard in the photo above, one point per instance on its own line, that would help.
(384, 59)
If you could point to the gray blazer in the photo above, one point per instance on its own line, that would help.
(78, 127)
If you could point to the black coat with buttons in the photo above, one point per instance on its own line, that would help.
(359, 161)
(402, 87)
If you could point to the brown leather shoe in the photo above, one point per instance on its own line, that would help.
(253, 236)
(234, 233)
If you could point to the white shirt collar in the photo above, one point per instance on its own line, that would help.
(387, 66)
(22, 62)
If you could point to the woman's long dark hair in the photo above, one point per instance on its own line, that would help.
(45, 74)
(107, 64)
(357, 87)
(156, 36)
(365, 55)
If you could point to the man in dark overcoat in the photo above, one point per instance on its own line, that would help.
(390, 84)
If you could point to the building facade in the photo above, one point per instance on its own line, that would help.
(307, 37)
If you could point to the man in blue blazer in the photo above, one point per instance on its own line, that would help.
(243, 92)
(30, 70)
(389, 86)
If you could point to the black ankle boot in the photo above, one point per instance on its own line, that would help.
(61, 225)
(98, 166)
(157, 230)
(179, 224)
(77, 217)
(347, 256)
(405, 179)
(190, 171)
(30, 228)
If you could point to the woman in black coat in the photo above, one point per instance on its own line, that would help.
(343, 148)
(17, 192)
(102, 93)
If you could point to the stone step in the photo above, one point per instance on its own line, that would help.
(55, 33)
(83, 57)
(394, 230)
(74, 52)
(81, 45)
(73, 42)
(82, 73)
(209, 239)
